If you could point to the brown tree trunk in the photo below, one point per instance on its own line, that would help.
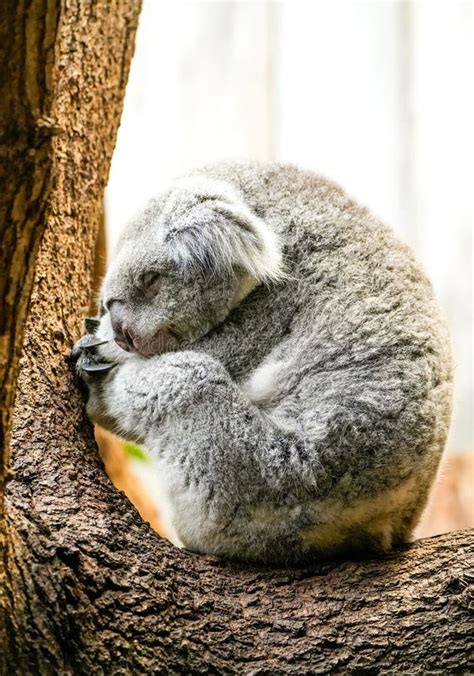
(88, 586)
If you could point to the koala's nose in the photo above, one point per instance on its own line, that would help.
(118, 319)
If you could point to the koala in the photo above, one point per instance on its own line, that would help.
(283, 359)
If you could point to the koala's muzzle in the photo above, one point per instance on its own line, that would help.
(127, 337)
(118, 318)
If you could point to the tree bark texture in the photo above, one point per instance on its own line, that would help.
(89, 588)
(27, 127)
(64, 67)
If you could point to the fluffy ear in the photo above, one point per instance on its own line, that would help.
(222, 235)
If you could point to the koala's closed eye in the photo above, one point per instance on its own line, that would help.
(151, 283)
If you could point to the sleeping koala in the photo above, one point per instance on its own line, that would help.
(281, 356)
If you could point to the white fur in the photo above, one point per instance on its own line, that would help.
(158, 484)
(261, 385)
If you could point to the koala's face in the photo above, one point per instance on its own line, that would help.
(156, 306)
(181, 266)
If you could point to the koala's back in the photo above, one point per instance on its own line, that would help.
(359, 370)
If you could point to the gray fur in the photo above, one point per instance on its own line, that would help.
(306, 404)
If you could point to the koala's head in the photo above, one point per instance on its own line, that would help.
(180, 267)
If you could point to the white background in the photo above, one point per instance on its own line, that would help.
(376, 95)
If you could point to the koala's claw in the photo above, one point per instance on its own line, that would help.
(87, 358)
(95, 368)
(91, 324)
(89, 347)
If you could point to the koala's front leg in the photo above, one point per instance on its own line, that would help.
(131, 395)
(145, 398)
(184, 399)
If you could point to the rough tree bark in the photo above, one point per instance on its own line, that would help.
(89, 587)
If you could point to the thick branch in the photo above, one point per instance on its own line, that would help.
(62, 81)
(28, 34)
(113, 598)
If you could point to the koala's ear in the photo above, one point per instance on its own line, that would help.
(222, 236)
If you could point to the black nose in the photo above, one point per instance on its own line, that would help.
(118, 319)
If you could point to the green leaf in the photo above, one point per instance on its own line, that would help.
(135, 452)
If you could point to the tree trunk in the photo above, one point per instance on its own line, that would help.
(88, 586)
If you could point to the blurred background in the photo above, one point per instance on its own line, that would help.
(376, 95)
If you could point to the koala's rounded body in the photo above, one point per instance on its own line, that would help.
(284, 362)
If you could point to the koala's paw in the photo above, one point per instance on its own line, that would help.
(92, 356)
